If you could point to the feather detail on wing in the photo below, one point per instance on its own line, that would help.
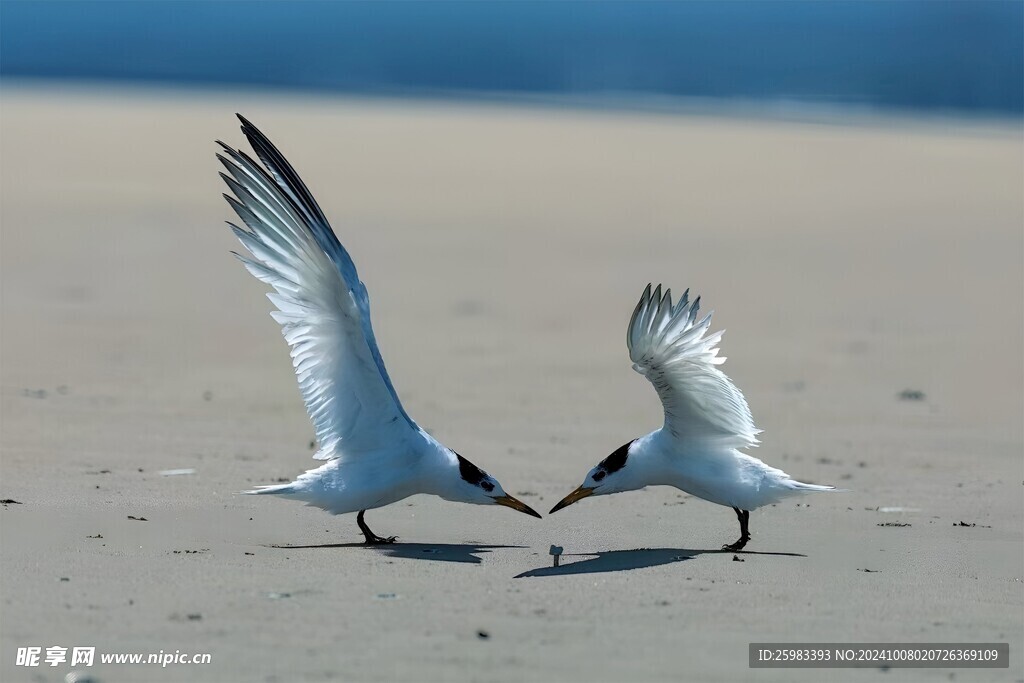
(322, 307)
(668, 346)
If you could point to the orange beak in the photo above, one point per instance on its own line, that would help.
(516, 504)
(579, 494)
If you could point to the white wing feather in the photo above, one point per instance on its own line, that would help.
(322, 307)
(668, 346)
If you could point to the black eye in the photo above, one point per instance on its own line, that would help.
(600, 475)
(487, 486)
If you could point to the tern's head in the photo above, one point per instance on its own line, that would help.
(609, 476)
(476, 486)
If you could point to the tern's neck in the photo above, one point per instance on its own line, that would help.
(644, 466)
(439, 469)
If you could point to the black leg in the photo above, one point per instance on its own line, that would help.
(371, 538)
(744, 517)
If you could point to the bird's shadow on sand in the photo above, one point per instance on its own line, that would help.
(624, 560)
(435, 552)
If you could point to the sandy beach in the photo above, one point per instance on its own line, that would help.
(870, 277)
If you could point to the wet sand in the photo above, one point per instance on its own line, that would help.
(504, 249)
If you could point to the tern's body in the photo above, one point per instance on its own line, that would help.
(707, 421)
(377, 478)
(718, 475)
(376, 454)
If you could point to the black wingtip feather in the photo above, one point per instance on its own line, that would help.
(237, 229)
(694, 309)
(290, 182)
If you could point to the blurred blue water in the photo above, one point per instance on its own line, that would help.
(960, 57)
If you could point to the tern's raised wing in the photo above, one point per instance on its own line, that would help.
(323, 308)
(667, 345)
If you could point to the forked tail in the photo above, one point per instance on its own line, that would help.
(279, 489)
(810, 488)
